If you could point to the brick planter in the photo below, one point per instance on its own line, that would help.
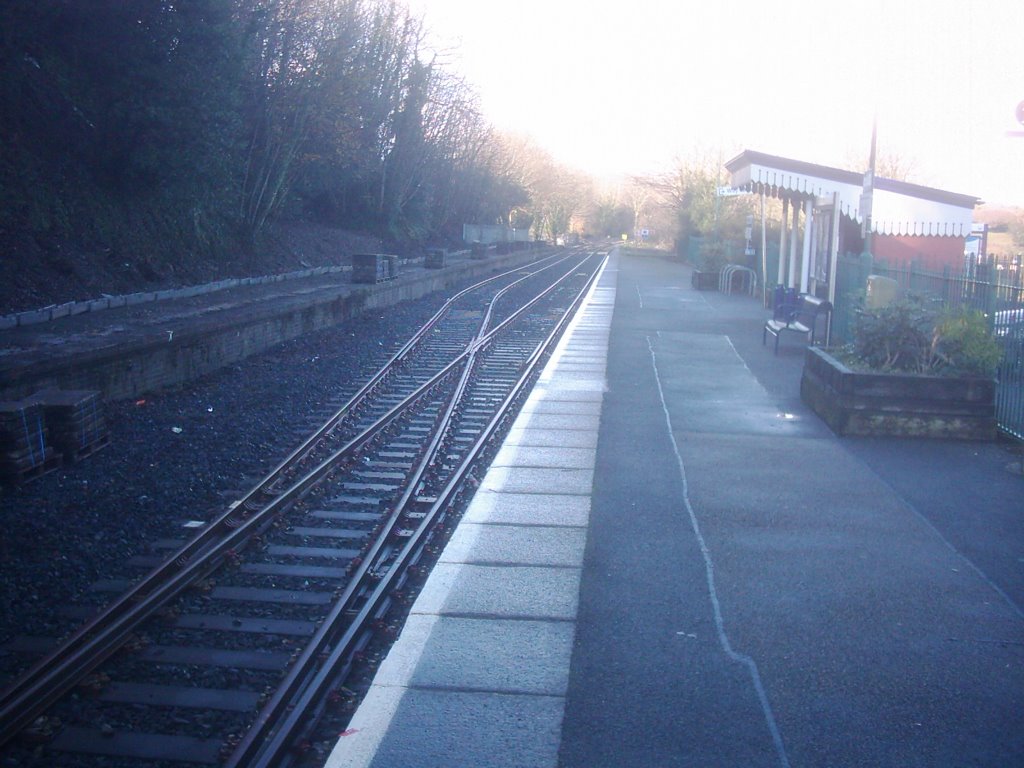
(901, 405)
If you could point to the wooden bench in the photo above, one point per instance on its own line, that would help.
(803, 320)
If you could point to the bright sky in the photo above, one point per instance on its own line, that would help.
(627, 87)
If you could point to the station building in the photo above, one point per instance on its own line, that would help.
(828, 211)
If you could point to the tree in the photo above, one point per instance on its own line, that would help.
(1016, 229)
(556, 194)
(610, 217)
(888, 165)
(464, 180)
(160, 132)
(690, 192)
(120, 124)
(291, 48)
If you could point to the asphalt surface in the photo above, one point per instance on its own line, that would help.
(757, 591)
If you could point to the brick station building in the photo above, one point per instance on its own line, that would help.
(823, 213)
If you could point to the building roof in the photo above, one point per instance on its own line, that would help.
(898, 208)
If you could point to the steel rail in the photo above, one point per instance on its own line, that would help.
(286, 713)
(52, 682)
(227, 521)
(374, 380)
(101, 637)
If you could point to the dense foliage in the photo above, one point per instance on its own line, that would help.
(153, 130)
(910, 335)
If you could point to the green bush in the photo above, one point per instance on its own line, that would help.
(914, 336)
(713, 256)
(965, 344)
(896, 337)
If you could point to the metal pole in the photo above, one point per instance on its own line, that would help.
(805, 257)
(867, 197)
(783, 227)
(794, 278)
(833, 265)
(764, 254)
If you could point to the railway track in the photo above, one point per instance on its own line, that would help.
(270, 607)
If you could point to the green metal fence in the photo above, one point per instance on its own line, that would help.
(852, 272)
(1010, 389)
(995, 287)
(732, 252)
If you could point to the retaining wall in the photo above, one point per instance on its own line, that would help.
(138, 367)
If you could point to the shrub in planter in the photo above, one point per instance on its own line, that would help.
(909, 336)
(911, 371)
(712, 256)
(965, 344)
(709, 264)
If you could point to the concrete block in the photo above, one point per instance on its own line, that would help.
(116, 301)
(61, 310)
(504, 656)
(132, 299)
(571, 438)
(80, 307)
(528, 509)
(172, 293)
(536, 456)
(482, 590)
(8, 321)
(486, 729)
(516, 545)
(34, 317)
(558, 421)
(568, 406)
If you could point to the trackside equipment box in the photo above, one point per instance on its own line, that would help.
(435, 258)
(374, 267)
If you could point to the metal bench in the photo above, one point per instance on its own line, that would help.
(803, 320)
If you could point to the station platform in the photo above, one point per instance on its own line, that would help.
(145, 342)
(673, 562)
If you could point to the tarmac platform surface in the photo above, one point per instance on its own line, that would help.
(673, 562)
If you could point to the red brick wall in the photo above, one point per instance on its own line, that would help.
(931, 253)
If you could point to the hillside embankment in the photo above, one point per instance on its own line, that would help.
(35, 273)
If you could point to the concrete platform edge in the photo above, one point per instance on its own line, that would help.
(500, 531)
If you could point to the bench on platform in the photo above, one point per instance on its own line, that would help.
(801, 319)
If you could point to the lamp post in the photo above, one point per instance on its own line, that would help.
(867, 195)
